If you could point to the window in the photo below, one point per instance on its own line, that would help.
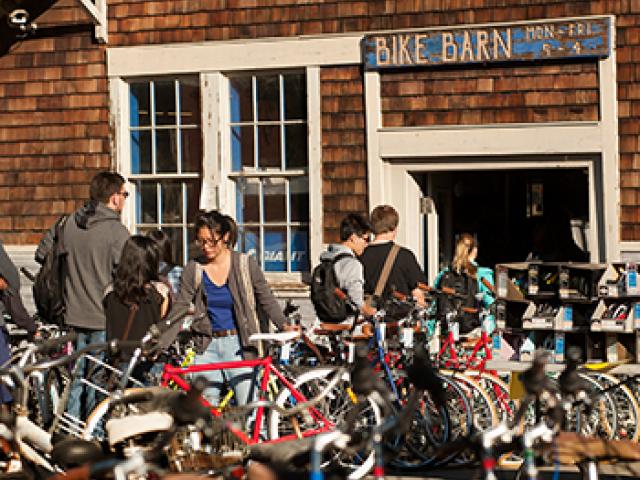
(166, 157)
(269, 168)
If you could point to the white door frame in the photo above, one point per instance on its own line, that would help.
(412, 235)
(393, 152)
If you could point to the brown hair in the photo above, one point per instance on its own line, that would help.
(384, 218)
(461, 263)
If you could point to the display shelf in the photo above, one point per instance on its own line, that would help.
(518, 366)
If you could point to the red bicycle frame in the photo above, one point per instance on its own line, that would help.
(176, 375)
(472, 362)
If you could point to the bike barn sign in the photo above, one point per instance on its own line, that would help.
(555, 39)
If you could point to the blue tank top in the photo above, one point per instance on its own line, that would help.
(219, 305)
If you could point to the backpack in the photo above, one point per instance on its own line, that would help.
(329, 307)
(48, 286)
(465, 286)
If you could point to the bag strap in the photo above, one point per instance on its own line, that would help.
(247, 283)
(132, 313)
(386, 270)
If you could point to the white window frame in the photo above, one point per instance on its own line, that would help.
(227, 184)
(120, 112)
(217, 190)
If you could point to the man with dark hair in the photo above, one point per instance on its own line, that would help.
(93, 237)
(354, 236)
(405, 273)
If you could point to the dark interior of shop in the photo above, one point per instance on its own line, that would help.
(514, 214)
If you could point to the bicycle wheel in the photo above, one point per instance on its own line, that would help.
(498, 390)
(485, 415)
(334, 408)
(432, 427)
(626, 407)
(94, 428)
(601, 418)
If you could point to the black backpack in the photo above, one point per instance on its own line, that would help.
(465, 286)
(329, 306)
(48, 286)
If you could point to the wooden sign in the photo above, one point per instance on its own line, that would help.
(554, 39)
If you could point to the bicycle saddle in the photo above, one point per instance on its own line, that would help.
(281, 337)
(72, 452)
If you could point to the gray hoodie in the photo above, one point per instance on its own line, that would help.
(349, 272)
(94, 252)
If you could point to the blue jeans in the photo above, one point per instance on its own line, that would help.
(226, 349)
(82, 399)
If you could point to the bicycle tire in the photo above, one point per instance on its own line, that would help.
(458, 420)
(485, 415)
(627, 409)
(334, 407)
(498, 390)
(96, 420)
(601, 420)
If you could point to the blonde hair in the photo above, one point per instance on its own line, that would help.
(461, 263)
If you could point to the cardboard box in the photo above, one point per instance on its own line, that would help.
(616, 351)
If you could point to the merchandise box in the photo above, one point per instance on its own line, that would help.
(554, 318)
(579, 282)
(606, 317)
(612, 283)
(617, 348)
(543, 280)
(512, 281)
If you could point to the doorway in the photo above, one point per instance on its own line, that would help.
(514, 214)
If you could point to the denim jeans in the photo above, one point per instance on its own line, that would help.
(82, 399)
(241, 380)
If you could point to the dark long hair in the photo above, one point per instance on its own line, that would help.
(163, 243)
(219, 224)
(138, 266)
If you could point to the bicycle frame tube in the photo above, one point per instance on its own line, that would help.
(174, 374)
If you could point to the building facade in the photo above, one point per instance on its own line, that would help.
(499, 117)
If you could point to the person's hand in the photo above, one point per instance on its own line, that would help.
(3, 284)
(368, 310)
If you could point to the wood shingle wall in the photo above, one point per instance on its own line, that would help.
(484, 95)
(344, 168)
(54, 130)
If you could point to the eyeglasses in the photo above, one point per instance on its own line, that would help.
(125, 194)
(208, 242)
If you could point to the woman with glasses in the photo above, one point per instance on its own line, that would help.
(227, 288)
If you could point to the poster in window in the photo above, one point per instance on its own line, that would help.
(275, 249)
(299, 250)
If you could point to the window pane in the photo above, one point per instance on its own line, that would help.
(241, 99)
(241, 148)
(191, 150)
(171, 198)
(165, 98)
(248, 201)
(296, 152)
(299, 249)
(193, 250)
(295, 97)
(146, 203)
(299, 192)
(139, 104)
(269, 146)
(193, 200)
(140, 152)
(175, 236)
(190, 101)
(249, 241)
(275, 204)
(166, 148)
(275, 249)
(268, 98)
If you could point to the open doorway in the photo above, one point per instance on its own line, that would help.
(512, 212)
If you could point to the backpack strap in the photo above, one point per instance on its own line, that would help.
(132, 313)
(386, 270)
